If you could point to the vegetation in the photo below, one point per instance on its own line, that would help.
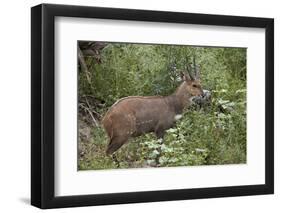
(209, 135)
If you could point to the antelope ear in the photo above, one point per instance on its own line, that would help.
(185, 76)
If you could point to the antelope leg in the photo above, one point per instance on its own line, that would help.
(160, 142)
(115, 160)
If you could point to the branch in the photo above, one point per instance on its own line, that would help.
(95, 123)
(83, 64)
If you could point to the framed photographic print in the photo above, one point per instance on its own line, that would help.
(139, 106)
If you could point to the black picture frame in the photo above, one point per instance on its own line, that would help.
(43, 102)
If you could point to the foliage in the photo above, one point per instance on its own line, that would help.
(205, 136)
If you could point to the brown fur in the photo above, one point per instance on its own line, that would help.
(137, 115)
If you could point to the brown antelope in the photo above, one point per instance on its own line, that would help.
(136, 115)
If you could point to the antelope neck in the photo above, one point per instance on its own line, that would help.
(180, 99)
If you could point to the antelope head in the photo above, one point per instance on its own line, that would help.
(192, 83)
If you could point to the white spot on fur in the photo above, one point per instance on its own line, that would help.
(191, 98)
(177, 117)
(160, 140)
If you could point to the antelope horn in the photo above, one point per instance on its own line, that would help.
(197, 69)
(194, 66)
(189, 72)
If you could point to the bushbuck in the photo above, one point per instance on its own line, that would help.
(136, 115)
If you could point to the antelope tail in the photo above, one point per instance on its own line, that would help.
(107, 124)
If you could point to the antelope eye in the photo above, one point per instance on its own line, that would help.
(194, 85)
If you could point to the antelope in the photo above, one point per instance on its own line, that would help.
(136, 115)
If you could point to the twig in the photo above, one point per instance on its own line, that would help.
(91, 108)
(96, 124)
